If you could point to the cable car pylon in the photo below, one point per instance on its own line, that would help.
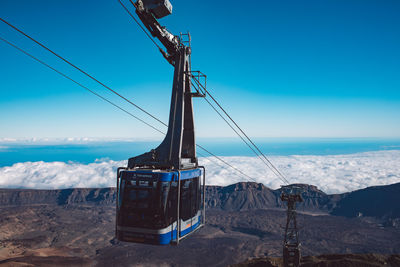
(161, 193)
(291, 244)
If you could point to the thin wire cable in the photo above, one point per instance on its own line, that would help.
(244, 140)
(81, 85)
(212, 106)
(82, 71)
(273, 169)
(216, 102)
(276, 172)
(137, 22)
(214, 162)
(226, 163)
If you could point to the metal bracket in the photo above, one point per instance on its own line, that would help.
(199, 83)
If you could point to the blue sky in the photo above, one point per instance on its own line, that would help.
(281, 68)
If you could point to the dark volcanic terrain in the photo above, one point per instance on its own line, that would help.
(75, 227)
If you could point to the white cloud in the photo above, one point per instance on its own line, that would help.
(330, 173)
(52, 175)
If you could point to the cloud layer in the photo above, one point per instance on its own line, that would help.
(330, 173)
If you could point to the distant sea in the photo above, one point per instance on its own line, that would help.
(87, 152)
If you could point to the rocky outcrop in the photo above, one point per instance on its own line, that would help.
(247, 196)
(241, 196)
(376, 201)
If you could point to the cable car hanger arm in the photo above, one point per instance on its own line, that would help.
(178, 149)
(149, 16)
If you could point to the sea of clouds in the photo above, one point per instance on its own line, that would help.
(330, 173)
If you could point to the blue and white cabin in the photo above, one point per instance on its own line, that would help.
(147, 205)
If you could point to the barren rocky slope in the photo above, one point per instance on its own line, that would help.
(333, 260)
(75, 227)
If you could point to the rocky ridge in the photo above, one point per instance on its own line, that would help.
(377, 201)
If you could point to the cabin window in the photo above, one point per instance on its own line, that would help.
(153, 204)
(189, 204)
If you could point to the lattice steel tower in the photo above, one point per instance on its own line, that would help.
(291, 244)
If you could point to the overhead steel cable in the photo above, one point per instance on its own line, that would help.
(273, 168)
(79, 69)
(241, 137)
(226, 163)
(255, 146)
(79, 84)
(137, 22)
(214, 162)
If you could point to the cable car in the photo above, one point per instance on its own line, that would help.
(160, 194)
(149, 203)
